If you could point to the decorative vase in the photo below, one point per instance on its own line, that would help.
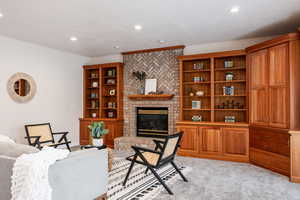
(98, 141)
(141, 89)
(200, 93)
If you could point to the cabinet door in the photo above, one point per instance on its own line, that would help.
(235, 141)
(84, 132)
(278, 86)
(109, 138)
(190, 139)
(259, 110)
(211, 140)
(259, 101)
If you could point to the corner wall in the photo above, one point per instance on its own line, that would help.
(58, 76)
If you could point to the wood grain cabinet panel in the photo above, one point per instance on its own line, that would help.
(278, 107)
(278, 65)
(259, 101)
(235, 141)
(258, 69)
(259, 109)
(109, 138)
(189, 142)
(84, 132)
(211, 140)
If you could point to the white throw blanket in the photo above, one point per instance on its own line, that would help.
(30, 174)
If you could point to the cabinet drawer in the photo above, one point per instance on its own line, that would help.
(269, 140)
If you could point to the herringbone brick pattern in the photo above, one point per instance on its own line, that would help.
(161, 65)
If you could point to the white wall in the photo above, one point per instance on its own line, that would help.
(58, 77)
(194, 49)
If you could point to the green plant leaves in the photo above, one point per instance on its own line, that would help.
(97, 130)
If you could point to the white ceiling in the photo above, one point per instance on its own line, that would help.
(102, 24)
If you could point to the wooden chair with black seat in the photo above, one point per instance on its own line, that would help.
(40, 135)
(163, 154)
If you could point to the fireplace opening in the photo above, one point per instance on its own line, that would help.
(152, 122)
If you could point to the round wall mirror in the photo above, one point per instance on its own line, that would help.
(21, 87)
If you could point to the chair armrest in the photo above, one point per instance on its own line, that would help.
(159, 144)
(139, 149)
(36, 141)
(60, 133)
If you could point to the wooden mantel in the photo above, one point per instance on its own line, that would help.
(155, 97)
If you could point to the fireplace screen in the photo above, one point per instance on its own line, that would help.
(152, 122)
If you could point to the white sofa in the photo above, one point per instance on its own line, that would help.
(83, 175)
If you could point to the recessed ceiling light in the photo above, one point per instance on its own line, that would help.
(116, 47)
(1, 15)
(138, 27)
(235, 9)
(73, 38)
(162, 41)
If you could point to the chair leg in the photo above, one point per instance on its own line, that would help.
(68, 146)
(147, 170)
(129, 170)
(179, 172)
(160, 180)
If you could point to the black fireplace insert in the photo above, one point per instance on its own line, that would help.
(152, 122)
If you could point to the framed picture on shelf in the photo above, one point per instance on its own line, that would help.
(151, 85)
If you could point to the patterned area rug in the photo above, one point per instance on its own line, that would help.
(140, 186)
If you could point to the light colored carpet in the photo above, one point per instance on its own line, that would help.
(221, 180)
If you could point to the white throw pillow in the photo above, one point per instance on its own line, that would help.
(4, 138)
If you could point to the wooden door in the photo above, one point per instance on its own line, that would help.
(235, 141)
(189, 141)
(259, 101)
(211, 140)
(278, 86)
(84, 132)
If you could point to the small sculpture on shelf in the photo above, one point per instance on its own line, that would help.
(230, 105)
(228, 64)
(230, 119)
(111, 105)
(228, 90)
(157, 92)
(200, 93)
(95, 84)
(229, 76)
(94, 75)
(190, 92)
(198, 79)
(197, 118)
(198, 66)
(94, 95)
(111, 72)
(110, 114)
(111, 81)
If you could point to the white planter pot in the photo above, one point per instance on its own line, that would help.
(98, 142)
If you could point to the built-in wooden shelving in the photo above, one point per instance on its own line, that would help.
(207, 73)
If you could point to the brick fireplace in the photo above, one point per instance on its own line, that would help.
(160, 65)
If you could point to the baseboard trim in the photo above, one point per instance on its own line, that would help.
(295, 179)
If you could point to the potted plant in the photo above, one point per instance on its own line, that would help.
(97, 132)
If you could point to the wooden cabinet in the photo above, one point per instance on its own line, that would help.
(214, 141)
(211, 140)
(103, 100)
(235, 141)
(115, 128)
(189, 142)
(274, 101)
(257, 63)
